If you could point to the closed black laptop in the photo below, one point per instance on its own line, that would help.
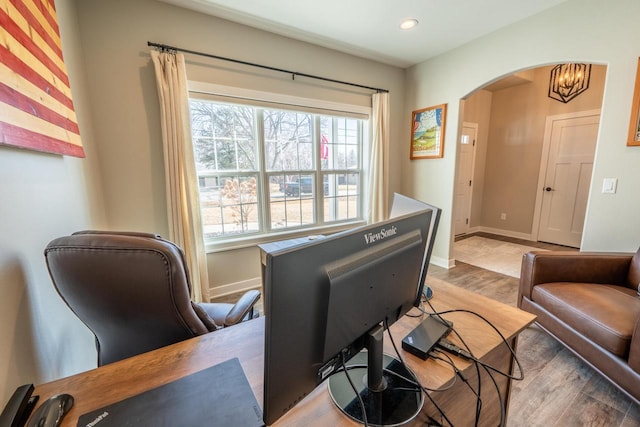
(217, 396)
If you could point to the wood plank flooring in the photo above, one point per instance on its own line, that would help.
(558, 390)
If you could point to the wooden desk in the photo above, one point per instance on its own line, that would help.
(114, 382)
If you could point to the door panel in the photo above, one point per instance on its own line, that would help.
(464, 176)
(566, 190)
(582, 198)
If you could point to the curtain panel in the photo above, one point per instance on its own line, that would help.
(185, 224)
(379, 165)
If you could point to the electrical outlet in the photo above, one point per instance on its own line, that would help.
(503, 216)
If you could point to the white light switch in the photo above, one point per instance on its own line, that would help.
(609, 185)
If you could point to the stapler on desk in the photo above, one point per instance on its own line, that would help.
(19, 407)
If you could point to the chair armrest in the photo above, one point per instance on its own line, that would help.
(205, 317)
(568, 266)
(243, 307)
(634, 349)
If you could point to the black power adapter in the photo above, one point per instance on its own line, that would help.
(425, 336)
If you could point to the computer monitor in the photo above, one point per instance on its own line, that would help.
(328, 298)
(402, 205)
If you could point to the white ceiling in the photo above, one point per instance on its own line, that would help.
(370, 28)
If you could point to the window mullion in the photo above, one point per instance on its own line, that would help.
(335, 126)
(214, 141)
(360, 204)
(265, 190)
(319, 181)
(236, 148)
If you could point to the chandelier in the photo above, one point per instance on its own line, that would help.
(568, 81)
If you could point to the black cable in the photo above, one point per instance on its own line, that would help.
(432, 423)
(468, 356)
(458, 351)
(475, 364)
(423, 298)
(386, 371)
(502, 337)
(409, 314)
(355, 390)
(503, 410)
(486, 366)
(457, 371)
(478, 374)
(495, 384)
(424, 389)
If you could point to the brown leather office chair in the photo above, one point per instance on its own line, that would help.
(132, 290)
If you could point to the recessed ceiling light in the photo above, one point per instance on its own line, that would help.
(408, 24)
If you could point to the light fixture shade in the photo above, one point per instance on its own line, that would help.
(408, 24)
(568, 81)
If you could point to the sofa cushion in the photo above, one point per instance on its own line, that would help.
(606, 314)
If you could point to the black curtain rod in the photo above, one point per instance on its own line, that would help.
(293, 73)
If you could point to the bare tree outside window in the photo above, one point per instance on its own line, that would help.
(288, 140)
(243, 198)
(224, 136)
(305, 176)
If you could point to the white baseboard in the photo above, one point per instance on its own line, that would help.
(232, 288)
(441, 262)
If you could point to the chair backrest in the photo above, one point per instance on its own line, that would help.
(132, 290)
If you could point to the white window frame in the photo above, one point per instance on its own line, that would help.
(242, 241)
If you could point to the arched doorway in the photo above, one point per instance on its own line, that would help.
(511, 116)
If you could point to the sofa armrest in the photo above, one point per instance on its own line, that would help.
(570, 266)
(634, 349)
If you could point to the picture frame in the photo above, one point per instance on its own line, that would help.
(36, 105)
(427, 132)
(633, 140)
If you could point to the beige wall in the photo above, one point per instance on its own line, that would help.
(477, 109)
(514, 148)
(121, 85)
(611, 220)
(43, 196)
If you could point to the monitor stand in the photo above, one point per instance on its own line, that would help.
(387, 387)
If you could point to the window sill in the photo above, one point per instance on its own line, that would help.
(246, 242)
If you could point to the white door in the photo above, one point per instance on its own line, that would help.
(571, 143)
(464, 177)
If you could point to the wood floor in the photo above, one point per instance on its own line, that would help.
(559, 389)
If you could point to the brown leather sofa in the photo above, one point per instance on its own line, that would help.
(589, 302)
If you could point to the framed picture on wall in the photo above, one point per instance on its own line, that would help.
(427, 132)
(36, 109)
(634, 123)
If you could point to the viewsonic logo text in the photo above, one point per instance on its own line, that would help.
(380, 235)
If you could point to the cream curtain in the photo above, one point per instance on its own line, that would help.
(379, 166)
(185, 224)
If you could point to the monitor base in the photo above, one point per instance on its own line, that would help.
(397, 404)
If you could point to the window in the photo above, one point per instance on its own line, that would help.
(264, 170)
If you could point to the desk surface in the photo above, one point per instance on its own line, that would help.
(114, 382)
